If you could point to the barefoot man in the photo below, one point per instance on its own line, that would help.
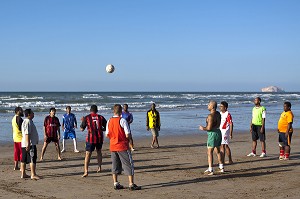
(214, 138)
(51, 133)
(95, 124)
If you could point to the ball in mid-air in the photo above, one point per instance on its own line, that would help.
(110, 68)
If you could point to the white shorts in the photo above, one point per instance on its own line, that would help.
(225, 136)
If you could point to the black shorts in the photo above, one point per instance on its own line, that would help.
(29, 156)
(256, 134)
(51, 139)
(91, 146)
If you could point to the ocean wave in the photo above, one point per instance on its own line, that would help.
(92, 96)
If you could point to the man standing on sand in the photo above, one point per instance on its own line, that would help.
(95, 125)
(257, 128)
(68, 126)
(129, 118)
(214, 138)
(285, 130)
(153, 124)
(17, 135)
(51, 133)
(29, 141)
(119, 135)
(226, 128)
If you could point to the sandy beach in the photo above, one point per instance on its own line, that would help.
(173, 171)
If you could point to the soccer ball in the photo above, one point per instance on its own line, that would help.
(110, 68)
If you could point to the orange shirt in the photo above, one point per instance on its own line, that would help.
(284, 120)
(117, 136)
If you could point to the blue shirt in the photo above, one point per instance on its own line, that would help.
(69, 121)
(128, 117)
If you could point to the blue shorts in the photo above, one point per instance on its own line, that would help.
(91, 146)
(284, 141)
(69, 134)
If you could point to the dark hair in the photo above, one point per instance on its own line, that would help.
(52, 109)
(259, 99)
(17, 109)
(27, 112)
(288, 104)
(225, 104)
(68, 107)
(117, 109)
(125, 105)
(94, 108)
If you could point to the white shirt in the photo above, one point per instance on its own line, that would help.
(28, 128)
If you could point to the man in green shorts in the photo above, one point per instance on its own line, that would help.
(214, 138)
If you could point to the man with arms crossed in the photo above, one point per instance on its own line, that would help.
(214, 138)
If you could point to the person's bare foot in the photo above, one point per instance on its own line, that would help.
(25, 176)
(35, 177)
(229, 162)
(99, 170)
(16, 168)
(41, 159)
(59, 158)
(84, 175)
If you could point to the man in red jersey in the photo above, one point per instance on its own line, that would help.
(119, 135)
(51, 133)
(95, 124)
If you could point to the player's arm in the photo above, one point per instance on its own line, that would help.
(147, 121)
(208, 125)
(75, 122)
(83, 124)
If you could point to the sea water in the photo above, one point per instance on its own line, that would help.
(181, 112)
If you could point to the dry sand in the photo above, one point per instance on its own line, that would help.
(173, 171)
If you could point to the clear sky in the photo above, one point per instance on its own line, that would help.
(155, 45)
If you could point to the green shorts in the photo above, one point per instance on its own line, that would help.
(214, 138)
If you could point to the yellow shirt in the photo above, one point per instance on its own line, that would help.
(17, 133)
(153, 119)
(284, 120)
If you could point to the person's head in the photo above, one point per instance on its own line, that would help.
(212, 105)
(223, 106)
(125, 107)
(29, 113)
(19, 111)
(117, 109)
(68, 109)
(153, 106)
(52, 112)
(94, 109)
(257, 101)
(287, 106)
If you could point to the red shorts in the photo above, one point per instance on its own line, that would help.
(17, 151)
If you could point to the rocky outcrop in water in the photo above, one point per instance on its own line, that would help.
(273, 89)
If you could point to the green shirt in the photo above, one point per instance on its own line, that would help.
(258, 113)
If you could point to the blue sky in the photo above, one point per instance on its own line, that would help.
(155, 45)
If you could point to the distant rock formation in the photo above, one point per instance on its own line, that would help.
(273, 89)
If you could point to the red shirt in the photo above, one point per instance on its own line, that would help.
(117, 136)
(95, 124)
(51, 125)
